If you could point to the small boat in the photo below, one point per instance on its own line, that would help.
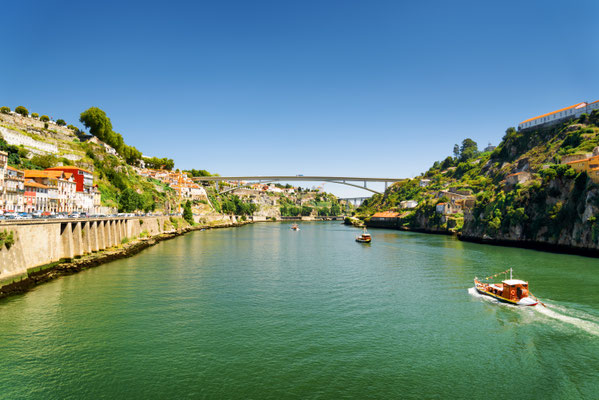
(511, 291)
(364, 237)
(294, 227)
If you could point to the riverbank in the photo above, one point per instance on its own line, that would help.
(44, 273)
(534, 245)
(522, 244)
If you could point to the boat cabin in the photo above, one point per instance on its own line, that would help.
(515, 289)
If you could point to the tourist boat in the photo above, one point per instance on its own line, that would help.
(364, 237)
(294, 227)
(511, 291)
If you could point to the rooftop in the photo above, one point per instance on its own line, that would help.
(554, 112)
(386, 214)
(512, 282)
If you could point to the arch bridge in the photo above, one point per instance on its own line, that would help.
(342, 180)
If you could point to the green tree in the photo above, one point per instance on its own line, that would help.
(306, 211)
(456, 151)
(130, 200)
(5, 110)
(97, 122)
(187, 213)
(44, 161)
(335, 209)
(60, 122)
(44, 118)
(35, 115)
(22, 110)
(468, 150)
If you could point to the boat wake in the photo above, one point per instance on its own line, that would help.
(576, 318)
(581, 320)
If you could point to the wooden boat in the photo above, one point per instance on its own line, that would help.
(364, 237)
(511, 291)
(294, 227)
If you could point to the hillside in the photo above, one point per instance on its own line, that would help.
(122, 174)
(522, 191)
(35, 143)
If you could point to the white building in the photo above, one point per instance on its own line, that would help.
(574, 111)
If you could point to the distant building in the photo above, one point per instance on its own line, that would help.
(518, 177)
(490, 147)
(448, 208)
(407, 204)
(424, 182)
(589, 165)
(552, 117)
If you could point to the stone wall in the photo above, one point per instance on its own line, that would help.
(38, 243)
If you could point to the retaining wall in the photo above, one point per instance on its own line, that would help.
(39, 243)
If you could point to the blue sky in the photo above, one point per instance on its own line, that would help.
(362, 88)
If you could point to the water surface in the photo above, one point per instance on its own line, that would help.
(264, 312)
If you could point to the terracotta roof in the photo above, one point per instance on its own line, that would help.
(386, 214)
(553, 112)
(31, 183)
(68, 168)
(13, 169)
(34, 173)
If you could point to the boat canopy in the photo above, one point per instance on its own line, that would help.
(512, 282)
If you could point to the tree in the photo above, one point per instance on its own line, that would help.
(44, 118)
(335, 209)
(130, 200)
(468, 150)
(60, 122)
(5, 110)
(509, 132)
(448, 162)
(44, 161)
(97, 122)
(22, 110)
(187, 213)
(456, 151)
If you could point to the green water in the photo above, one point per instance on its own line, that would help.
(264, 312)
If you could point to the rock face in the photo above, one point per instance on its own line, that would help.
(558, 215)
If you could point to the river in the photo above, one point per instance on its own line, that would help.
(263, 312)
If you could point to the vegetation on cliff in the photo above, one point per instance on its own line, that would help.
(556, 204)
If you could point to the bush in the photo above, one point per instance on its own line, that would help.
(22, 110)
(5, 110)
(6, 239)
(187, 213)
(35, 115)
(44, 118)
(60, 122)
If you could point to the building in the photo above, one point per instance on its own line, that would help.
(518, 177)
(448, 208)
(490, 147)
(15, 188)
(35, 197)
(84, 179)
(589, 165)
(562, 114)
(424, 182)
(3, 166)
(408, 204)
(384, 216)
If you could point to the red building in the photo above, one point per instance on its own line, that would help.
(83, 178)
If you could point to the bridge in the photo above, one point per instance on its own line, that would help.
(342, 180)
(356, 201)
